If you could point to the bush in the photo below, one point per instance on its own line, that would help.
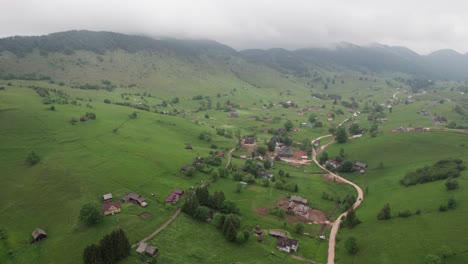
(90, 214)
(452, 203)
(385, 213)
(405, 213)
(351, 245)
(32, 158)
(451, 184)
(443, 208)
(107, 101)
(432, 259)
(418, 211)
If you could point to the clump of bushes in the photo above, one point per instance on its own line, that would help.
(440, 170)
(32, 158)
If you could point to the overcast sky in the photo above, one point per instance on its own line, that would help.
(422, 25)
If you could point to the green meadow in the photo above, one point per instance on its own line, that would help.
(406, 240)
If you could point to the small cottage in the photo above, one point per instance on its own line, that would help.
(38, 234)
(287, 245)
(135, 198)
(277, 233)
(107, 197)
(298, 199)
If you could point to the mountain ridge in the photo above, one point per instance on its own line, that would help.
(375, 58)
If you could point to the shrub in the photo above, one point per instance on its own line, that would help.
(32, 158)
(107, 101)
(405, 213)
(385, 213)
(351, 245)
(452, 203)
(90, 214)
(451, 184)
(432, 259)
(443, 208)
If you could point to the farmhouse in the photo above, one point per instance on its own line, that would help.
(174, 196)
(249, 140)
(38, 234)
(111, 208)
(286, 152)
(441, 119)
(333, 163)
(264, 174)
(300, 155)
(316, 143)
(107, 197)
(298, 199)
(147, 249)
(277, 233)
(233, 114)
(287, 245)
(362, 167)
(135, 198)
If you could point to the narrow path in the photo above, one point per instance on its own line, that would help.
(229, 157)
(161, 228)
(395, 94)
(336, 224)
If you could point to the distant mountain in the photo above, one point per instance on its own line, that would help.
(376, 58)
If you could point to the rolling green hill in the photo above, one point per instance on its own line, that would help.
(181, 93)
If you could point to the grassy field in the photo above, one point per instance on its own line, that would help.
(116, 154)
(406, 240)
(81, 162)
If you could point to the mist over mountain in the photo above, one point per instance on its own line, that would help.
(376, 58)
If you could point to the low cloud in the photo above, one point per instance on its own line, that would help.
(423, 26)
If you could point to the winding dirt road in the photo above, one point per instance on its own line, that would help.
(336, 224)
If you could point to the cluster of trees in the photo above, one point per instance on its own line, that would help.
(202, 206)
(440, 170)
(341, 136)
(327, 96)
(351, 220)
(205, 135)
(111, 249)
(351, 245)
(451, 184)
(451, 204)
(25, 76)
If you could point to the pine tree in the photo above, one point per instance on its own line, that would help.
(231, 232)
(91, 254)
(191, 204)
(202, 195)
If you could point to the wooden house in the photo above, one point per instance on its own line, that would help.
(38, 234)
(135, 198)
(107, 197)
(111, 208)
(287, 245)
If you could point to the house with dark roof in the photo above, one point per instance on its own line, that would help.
(287, 245)
(174, 196)
(135, 198)
(286, 152)
(147, 249)
(111, 208)
(249, 140)
(264, 174)
(362, 167)
(233, 114)
(298, 199)
(38, 234)
(277, 233)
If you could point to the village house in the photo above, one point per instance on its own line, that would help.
(287, 245)
(330, 117)
(333, 163)
(249, 140)
(301, 113)
(38, 234)
(296, 129)
(147, 249)
(111, 208)
(316, 143)
(300, 155)
(277, 233)
(362, 167)
(135, 198)
(107, 197)
(174, 196)
(441, 119)
(264, 174)
(233, 114)
(286, 152)
(423, 112)
(298, 199)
